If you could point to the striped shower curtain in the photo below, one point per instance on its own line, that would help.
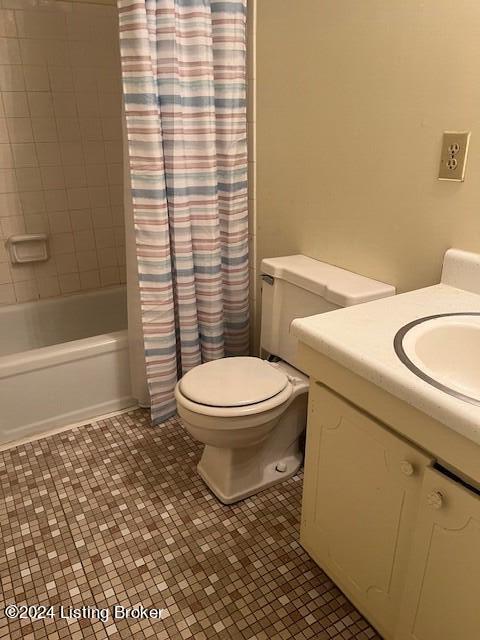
(183, 68)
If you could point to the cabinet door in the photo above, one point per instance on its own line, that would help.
(361, 493)
(441, 600)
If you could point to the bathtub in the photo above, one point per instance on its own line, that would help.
(62, 361)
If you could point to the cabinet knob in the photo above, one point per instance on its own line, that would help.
(407, 468)
(435, 500)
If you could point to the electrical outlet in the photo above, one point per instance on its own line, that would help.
(454, 155)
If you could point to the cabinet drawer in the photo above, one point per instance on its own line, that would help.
(361, 492)
(441, 591)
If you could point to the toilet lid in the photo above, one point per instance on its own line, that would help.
(233, 382)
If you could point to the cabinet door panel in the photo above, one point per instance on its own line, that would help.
(361, 490)
(441, 592)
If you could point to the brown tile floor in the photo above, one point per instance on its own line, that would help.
(114, 513)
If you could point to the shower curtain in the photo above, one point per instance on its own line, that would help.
(183, 68)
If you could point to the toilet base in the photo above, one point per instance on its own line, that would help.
(234, 474)
(267, 477)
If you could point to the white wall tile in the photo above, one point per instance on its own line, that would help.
(95, 152)
(46, 269)
(91, 129)
(85, 81)
(96, 175)
(10, 51)
(66, 263)
(69, 282)
(90, 279)
(7, 294)
(5, 276)
(85, 240)
(8, 183)
(6, 156)
(62, 243)
(59, 222)
(15, 104)
(7, 23)
(26, 291)
(33, 201)
(116, 195)
(65, 104)
(87, 260)
(20, 130)
(56, 199)
(107, 257)
(21, 272)
(36, 223)
(99, 196)
(4, 136)
(24, 154)
(52, 177)
(41, 104)
(112, 128)
(72, 153)
(44, 129)
(104, 238)
(81, 219)
(68, 129)
(10, 205)
(48, 287)
(78, 198)
(48, 154)
(28, 179)
(115, 174)
(36, 24)
(61, 78)
(109, 276)
(87, 104)
(32, 51)
(61, 150)
(11, 78)
(36, 78)
(4, 257)
(75, 176)
(102, 218)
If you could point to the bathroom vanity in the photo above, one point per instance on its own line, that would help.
(391, 504)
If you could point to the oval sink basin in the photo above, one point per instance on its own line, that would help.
(444, 350)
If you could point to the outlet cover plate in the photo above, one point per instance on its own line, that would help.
(454, 155)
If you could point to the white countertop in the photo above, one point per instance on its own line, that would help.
(361, 339)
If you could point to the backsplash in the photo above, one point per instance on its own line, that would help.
(61, 146)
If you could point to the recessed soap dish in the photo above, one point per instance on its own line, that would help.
(28, 247)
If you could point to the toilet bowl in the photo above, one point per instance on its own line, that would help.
(249, 413)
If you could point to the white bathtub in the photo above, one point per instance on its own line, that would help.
(62, 361)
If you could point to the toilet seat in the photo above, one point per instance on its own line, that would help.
(231, 383)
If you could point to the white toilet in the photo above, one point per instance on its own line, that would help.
(250, 412)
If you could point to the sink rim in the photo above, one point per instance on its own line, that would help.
(403, 357)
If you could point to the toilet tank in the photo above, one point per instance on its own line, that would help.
(298, 286)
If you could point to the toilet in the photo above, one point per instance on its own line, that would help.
(250, 412)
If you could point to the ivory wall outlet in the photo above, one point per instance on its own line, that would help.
(454, 155)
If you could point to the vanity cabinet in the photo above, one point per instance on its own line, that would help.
(362, 491)
(441, 599)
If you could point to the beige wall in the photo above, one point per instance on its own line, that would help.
(251, 127)
(61, 146)
(352, 100)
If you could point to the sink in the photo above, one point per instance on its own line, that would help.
(444, 350)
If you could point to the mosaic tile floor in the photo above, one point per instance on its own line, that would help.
(114, 514)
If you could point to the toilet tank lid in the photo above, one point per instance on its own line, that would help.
(336, 285)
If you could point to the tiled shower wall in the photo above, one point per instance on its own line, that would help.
(60, 145)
